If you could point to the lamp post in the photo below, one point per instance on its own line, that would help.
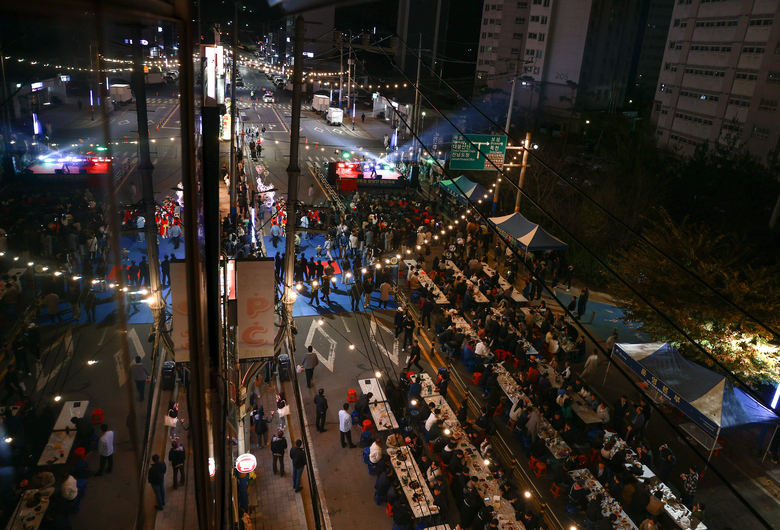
(506, 129)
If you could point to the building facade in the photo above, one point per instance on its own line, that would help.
(720, 77)
(575, 55)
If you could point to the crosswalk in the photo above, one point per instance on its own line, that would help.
(319, 161)
(159, 101)
(258, 105)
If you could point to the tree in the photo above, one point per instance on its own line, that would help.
(722, 261)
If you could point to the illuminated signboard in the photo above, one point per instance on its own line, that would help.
(37, 86)
(246, 463)
(214, 71)
(65, 78)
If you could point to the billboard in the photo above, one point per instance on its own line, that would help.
(255, 284)
(213, 75)
(180, 309)
(464, 155)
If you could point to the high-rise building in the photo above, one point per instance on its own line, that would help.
(421, 24)
(575, 55)
(651, 51)
(720, 76)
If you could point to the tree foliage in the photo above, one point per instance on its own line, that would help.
(722, 261)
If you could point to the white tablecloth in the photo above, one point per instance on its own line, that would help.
(428, 283)
(59, 443)
(420, 498)
(25, 518)
(384, 419)
(608, 505)
(70, 409)
(372, 385)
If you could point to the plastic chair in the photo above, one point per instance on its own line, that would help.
(532, 463)
(97, 416)
(582, 462)
(595, 456)
(366, 452)
(80, 454)
(556, 490)
(367, 425)
(355, 417)
(371, 468)
(476, 378)
(540, 470)
(389, 510)
(515, 362)
(379, 500)
(351, 395)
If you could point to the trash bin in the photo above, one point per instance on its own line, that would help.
(284, 367)
(168, 375)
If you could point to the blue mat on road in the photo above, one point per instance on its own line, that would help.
(339, 296)
(606, 318)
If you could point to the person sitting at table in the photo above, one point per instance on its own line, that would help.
(566, 409)
(607, 523)
(603, 412)
(593, 511)
(579, 492)
(425, 411)
(649, 524)
(436, 433)
(655, 505)
(606, 451)
(561, 476)
(415, 388)
(469, 505)
(448, 453)
(431, 419)
(384, 482)
(640, 500)
(375, 452)
(644, 454)
(393, 492)
(43, 481)
(543, 384)
(592, 402)
(517, 410)
(69, 489)
(697, 513)
(530, 520)
(539, 449)
(532, 375)
(615, 487)
(383, 464)
(568, 434)
(629, 487)
(484, 517)
(602, 472)
(415, 445)
(402, 515)
(432, 472)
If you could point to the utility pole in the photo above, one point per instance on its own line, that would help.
(293, 172)
(233, 124)
(506, 129)
(416, 115)
(6, 115)
(145, 170)
(341, 69)
(522, 170)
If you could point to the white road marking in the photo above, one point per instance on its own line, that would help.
(309, 163)
(392, 356)
(123, 122)
(331, 354)
(346, 326)
(103, 336)
(132, 336)
(318, 129)
(121, 373)
(68, 339)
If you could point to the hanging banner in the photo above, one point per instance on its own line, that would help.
(179, 319)
(255, 282)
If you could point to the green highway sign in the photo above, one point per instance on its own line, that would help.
(465, 156)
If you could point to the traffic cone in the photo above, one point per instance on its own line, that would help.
(307, 141)
(125, 139)
(316, 145)
(157, 94)
(158, 127)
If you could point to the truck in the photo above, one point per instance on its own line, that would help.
(154, 78)
(320, 104)
(334, 116)
(121, 94)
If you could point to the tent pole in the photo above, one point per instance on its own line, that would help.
(607, 372)
(774, 434)
(712, 449)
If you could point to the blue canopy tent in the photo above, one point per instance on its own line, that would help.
(707, 397)
(527, 235)
(472, 191)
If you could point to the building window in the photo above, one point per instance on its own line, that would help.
(526, 69)
(746, 76)
(538, 54)
(536, 70)
(760, 22)
(481, 49)
(514, 51)
(498, 22)
(707, 73)
(493, 7)
(671, 44)
(544, 19)
(684, 2)
(768, 104)
(716, 23)
(676, 22)
(698, 95)
(710, 48)
(492, 21)
(532, 35)
(517, 36)
(733, 127)
(537, 2)
(530, 52)
(738, 102)
(487, 7)
(522, 5)
(753, 49)
(546, 3)
(541, 37)
(534, 18)
(489, 48)
(679, 138)
(519, 20)
(484, 35)
(773, 76)
(480, 62)
(484, 21)
(666, 65)
(499, 7)
(762, 133)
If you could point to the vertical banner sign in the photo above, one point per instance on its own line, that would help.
(180, 322)
(255, 296)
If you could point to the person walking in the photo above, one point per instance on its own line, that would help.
(52, 302)
(278, 447)
(282, 409)
(261, 426)
(368, 288)
(140, 376)
(175, 233)
(582, 302)
(363, 118)
(309, 363)
(156, 478)
(345, 427)
(311, 194)
(384, 294)
(275, 233)
(321, 403)
(414, 357)
(177, 456)
(691, 482)
(12, 383)
(106, 450)
(298, 457)
(408, 331)
(590, 364)
(165, 271)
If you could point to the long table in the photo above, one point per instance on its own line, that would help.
(24, 518)
(479, 297)
(420, 497)
(578, 405)
(384, 419)
(672, 505)
(504, 284)
(609, 504)
(372, 385)
(428, 283)
(555, 444)
(58, 448)
(70, 409)
(428, 385)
